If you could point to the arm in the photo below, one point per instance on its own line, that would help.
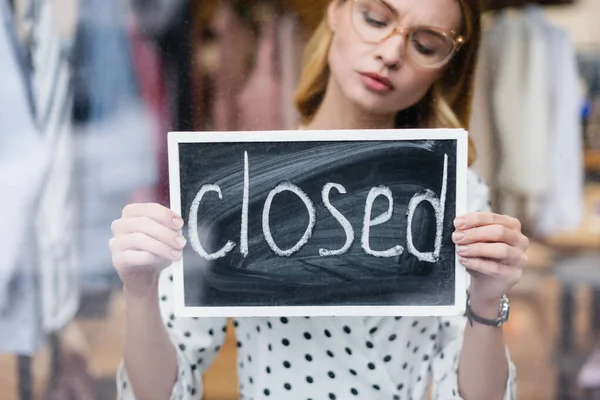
(483, 366)
(466, 368)
(164, 356)
(492, 248)
(473, 361)
(148, 353)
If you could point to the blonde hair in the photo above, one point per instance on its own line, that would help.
(446, 105)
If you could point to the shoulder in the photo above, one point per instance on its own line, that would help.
(478, 194)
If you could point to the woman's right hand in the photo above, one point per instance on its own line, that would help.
(146, 239)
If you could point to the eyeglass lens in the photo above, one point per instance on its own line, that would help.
(375, 22)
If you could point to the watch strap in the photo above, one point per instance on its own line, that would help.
(497, 322)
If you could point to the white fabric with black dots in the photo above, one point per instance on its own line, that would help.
(325, 357)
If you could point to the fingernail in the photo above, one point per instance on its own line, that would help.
(175, 254)
(180, 241)
(178, 222)
(463, 260)
(462, 249)
(459, 222)
(458, 236)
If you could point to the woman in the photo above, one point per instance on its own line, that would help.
(371, 64)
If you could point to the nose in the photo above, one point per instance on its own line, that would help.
(390, 51)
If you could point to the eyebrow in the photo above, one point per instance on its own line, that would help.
(391, 7)
(397, 14)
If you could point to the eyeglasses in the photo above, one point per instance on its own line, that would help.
(375, 22)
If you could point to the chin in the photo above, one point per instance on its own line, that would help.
(374, 103)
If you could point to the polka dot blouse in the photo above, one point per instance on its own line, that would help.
(324, 357)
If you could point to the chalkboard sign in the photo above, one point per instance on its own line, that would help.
(316, 223)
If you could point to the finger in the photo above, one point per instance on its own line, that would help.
(524, 245)
(489, 234)
(134, 258)
(492, 269)
(154, 211)
(142, 242)
(501, 252)
(150, 227)
(472, 220)
(129, 261)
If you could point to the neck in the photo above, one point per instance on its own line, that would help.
(337, 112)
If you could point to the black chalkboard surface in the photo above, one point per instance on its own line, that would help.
(306, 223)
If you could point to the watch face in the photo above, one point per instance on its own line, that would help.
(504, 310)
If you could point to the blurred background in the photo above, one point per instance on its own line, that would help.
(91, 88)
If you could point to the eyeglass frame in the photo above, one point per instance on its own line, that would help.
(457, 39)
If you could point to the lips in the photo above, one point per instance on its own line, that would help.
(378, 78)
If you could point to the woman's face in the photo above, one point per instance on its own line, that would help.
(382, 77)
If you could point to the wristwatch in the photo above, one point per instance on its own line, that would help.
(503, 312)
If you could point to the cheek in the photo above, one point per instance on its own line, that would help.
(337, 58)
(427, 77)
(416, 82)
(345, 51)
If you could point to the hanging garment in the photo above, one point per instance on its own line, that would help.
(520, 100)
(166, 25)
(563, 203)
(260, 100)
(38, 274)
(505, 99)
(56, 217)
(481, 128)
(148, 69)
(21, 149)
(104, 79)
(234, 41)
(157, 17)
(589, 68)
(118, 133)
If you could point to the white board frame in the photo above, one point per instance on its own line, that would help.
(461, 275)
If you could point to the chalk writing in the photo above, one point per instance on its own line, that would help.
(427, 195)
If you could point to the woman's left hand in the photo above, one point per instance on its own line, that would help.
(492, 248)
